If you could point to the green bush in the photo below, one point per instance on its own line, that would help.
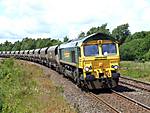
(147, 56)
(12, 86)
(135, 49)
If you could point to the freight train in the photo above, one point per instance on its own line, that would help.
(91, 62)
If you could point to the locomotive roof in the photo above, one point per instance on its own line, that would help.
(78, 42)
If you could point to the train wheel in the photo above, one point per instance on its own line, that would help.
(60, 69)
(75, 77)
(57, 69)
(78, 82)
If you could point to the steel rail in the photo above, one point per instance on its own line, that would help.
(132, 100)
(136, 81)
(127, 78)
(99, 99)
(142, 88)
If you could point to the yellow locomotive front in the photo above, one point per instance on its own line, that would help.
(100, 62)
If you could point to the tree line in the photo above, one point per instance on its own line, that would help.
(132, 46)
(28, 44)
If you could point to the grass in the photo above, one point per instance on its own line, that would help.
(24, 88)
(136, 70)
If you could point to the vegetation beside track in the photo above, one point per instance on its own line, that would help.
(24, 88)
(138, 70)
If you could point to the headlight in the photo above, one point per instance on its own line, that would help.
(86, 68)
(115, 67)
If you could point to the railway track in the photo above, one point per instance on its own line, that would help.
(132, 100)
(131, 103)
(135, 83)
(94, 96)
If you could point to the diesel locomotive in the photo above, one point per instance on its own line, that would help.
(92, 62)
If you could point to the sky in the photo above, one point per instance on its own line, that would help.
(60, 18)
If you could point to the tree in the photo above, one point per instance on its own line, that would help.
(137, 35)
(147, 56)
(27, 44)
(7, 46)
(66, 39)
(17, 46)
(136, 49)
(81, 35)
(121, 33)
(91, 31)
(101, 29)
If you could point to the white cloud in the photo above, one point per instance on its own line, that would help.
(58, 18)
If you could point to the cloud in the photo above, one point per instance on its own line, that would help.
(58, 18)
